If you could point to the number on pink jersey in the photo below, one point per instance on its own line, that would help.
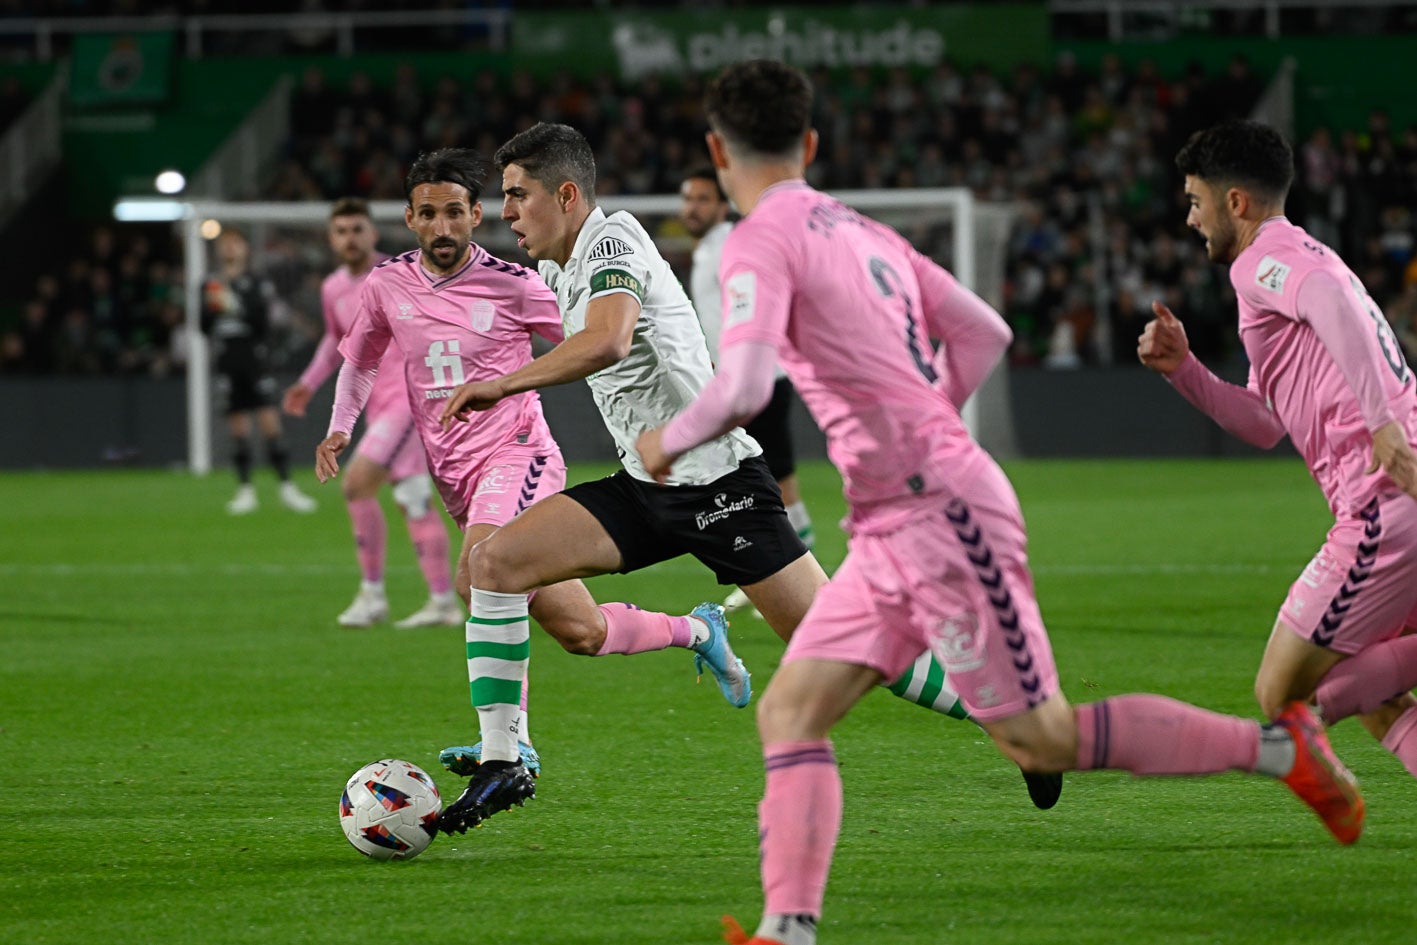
(889, 285)
(1392, 351)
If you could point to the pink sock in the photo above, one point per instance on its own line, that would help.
(1401, 740)
(631, 630)
(1363, 682)
(430, 542)
(1152, 735)
(798, 821)
(369, 537)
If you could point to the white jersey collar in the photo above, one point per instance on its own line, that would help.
(591, 225)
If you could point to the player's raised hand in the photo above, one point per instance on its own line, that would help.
(650, 446)
(327, 456)
(296, 399)
(474, 395)
(1163, 345)
(1394, 454)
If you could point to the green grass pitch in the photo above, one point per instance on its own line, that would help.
(179, 711)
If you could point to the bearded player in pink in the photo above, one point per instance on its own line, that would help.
(937, 553)
(390, 449)
(446, 314)
(1325, 369)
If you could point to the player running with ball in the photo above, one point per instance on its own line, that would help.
(443, 314)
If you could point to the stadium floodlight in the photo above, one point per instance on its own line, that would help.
(149, 210)
(169, 182)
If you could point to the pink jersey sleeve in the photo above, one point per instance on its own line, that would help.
(352, 389)
(326, 359)
(973, 336)
(741, 387)
(756, 298)
(755, 270)
(1241, 411)
(1331, 309)
(540, 310)
(370, 335)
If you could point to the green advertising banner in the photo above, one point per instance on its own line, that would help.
(121, 68)
(635, 44)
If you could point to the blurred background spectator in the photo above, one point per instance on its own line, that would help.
(1084, 155)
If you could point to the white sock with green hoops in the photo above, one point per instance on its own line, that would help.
(924, 684)
(498, 649)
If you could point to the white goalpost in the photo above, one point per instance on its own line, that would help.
(967, 237)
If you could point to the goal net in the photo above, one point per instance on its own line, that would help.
(289, 246)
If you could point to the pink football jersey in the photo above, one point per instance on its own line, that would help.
(474, 324)
(339, 302)
(851, 307)
(1322, 358)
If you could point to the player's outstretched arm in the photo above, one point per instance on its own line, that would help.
(1163, 345)
(471, 397)
(1394, 454)
(1240, 410)
(738, 392)
(605, 340)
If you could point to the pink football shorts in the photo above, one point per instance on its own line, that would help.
(1361, 587)
(955, 579)
(391, 440)
(508, 481)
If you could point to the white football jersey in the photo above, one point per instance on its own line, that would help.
(668, 363)
(708, 294)
(703, 280)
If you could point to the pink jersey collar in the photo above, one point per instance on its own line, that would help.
(474, 256)
(793, 183)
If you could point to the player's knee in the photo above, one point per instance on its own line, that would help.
(351, 490)
(493, 567)
(462, 584)
(1269, 696)
(782, 716)
(357, 486)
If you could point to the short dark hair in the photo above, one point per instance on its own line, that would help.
(705, 172)
(552, 154)
(1242, 152)
(762, 104)
(350, 207)
(461, 166)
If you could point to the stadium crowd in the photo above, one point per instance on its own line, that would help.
(1084, 157)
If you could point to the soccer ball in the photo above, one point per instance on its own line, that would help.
(389, 810)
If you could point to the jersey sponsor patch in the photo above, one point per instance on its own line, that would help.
(1271, 274)
(609, 248)
(742, 292)
(607, 279)
(479, 313)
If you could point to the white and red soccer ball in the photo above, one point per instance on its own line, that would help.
(389, 810)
